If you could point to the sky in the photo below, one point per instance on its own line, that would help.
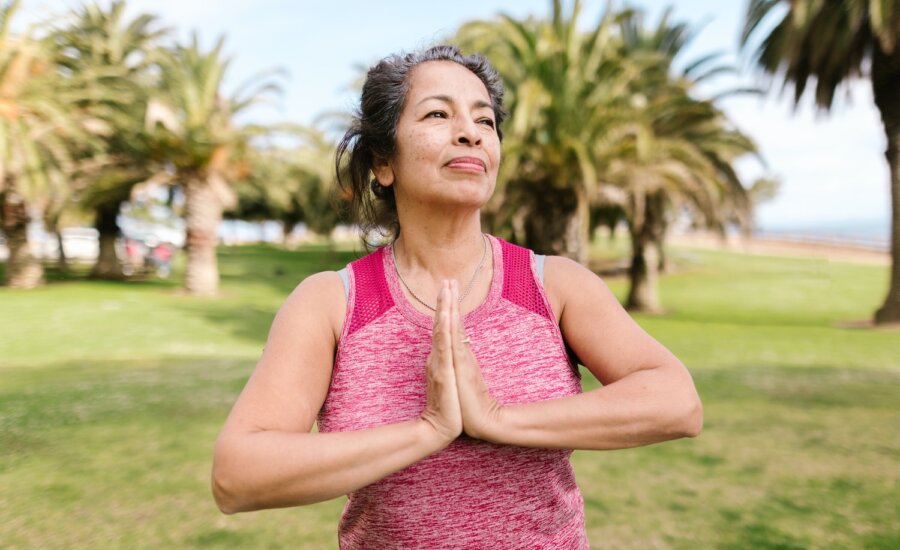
(832, 166)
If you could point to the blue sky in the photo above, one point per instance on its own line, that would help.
(832, 167)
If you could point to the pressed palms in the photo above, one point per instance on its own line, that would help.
(196, 132)
(829, 43)
(112, 59)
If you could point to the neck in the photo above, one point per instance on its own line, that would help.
(438, 247)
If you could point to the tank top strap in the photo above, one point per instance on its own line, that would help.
(521, 284)
(369, 290)
(344, 274)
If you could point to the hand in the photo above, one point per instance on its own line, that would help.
(442, 409)
(480, 411)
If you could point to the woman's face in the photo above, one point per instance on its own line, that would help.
(447, 148)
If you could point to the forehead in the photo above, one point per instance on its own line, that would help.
(445, 78)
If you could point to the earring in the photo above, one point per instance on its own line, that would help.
(380, 191)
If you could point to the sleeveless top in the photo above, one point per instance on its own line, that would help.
(471, 494)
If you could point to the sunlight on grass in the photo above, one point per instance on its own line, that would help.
(111, 396)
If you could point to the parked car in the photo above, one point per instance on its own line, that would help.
(81, 243)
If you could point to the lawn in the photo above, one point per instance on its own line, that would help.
(111, 396)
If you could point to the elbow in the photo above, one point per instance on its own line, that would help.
(223, 493)
(688, 416)
(225, 485)
(224, 497)
(692, 421)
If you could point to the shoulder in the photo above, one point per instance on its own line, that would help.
(320, 295)
(567, 281)
(318, 286)
(559, 269)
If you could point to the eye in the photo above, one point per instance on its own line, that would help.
(436, 114)
(487, 121)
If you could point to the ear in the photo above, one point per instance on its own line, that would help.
(383, 171)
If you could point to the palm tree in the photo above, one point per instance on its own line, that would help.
(599, 118)
(294, 184)
(320, 197)
(196, 132)
(675, 156)
(101, 51)
(563, 87)
(270, 191)
(671, 153)
(830, 43)
(37, 129)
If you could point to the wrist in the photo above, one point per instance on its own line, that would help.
(431, 437)
(494, 428)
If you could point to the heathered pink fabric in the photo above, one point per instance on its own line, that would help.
(472, 494)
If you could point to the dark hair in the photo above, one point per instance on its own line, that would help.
(373, 133)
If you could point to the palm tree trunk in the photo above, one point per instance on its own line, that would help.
(558, 222)
(578, 230)
(62, 263)
(643, 275)
(659, 236)
(23, 270)
(646, 257)
(287, 227)
(51, 222)
(886, 88)
(202, 216)
(108, 265)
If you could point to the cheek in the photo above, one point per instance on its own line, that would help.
(424, 147)
(495, 153)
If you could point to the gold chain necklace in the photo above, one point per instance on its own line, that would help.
(468, 287)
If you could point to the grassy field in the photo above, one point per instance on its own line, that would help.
(111, 396)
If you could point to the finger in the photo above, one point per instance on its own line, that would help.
(440, 300)
(459, 332)
(440, 319)
(454, 310)
(446, 301)
(444, 313)
(454, 287)
(446, 341)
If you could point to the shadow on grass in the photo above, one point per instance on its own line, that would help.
(786, 455)
(250, 271)
(279, 268)
(789, 457)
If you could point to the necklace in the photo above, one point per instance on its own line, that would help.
(468, 287)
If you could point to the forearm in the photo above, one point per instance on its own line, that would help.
(646, 407)
(276, 469)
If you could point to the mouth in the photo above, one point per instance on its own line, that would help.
(467, 164)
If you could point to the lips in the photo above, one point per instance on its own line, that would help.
(473, 164)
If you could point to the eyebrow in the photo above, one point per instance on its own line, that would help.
(478, 104)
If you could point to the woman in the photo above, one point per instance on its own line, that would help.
(437, 366)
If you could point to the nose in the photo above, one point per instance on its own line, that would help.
(467, 132)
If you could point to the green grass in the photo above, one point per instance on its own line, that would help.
(112, 394)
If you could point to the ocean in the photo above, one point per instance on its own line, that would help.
(872, 234)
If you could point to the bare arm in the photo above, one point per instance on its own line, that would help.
(266, 457)
(648, 395)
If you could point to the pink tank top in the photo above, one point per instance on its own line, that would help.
(472, 494)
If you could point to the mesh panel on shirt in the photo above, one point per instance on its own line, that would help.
(371, 292)
(519, 285)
